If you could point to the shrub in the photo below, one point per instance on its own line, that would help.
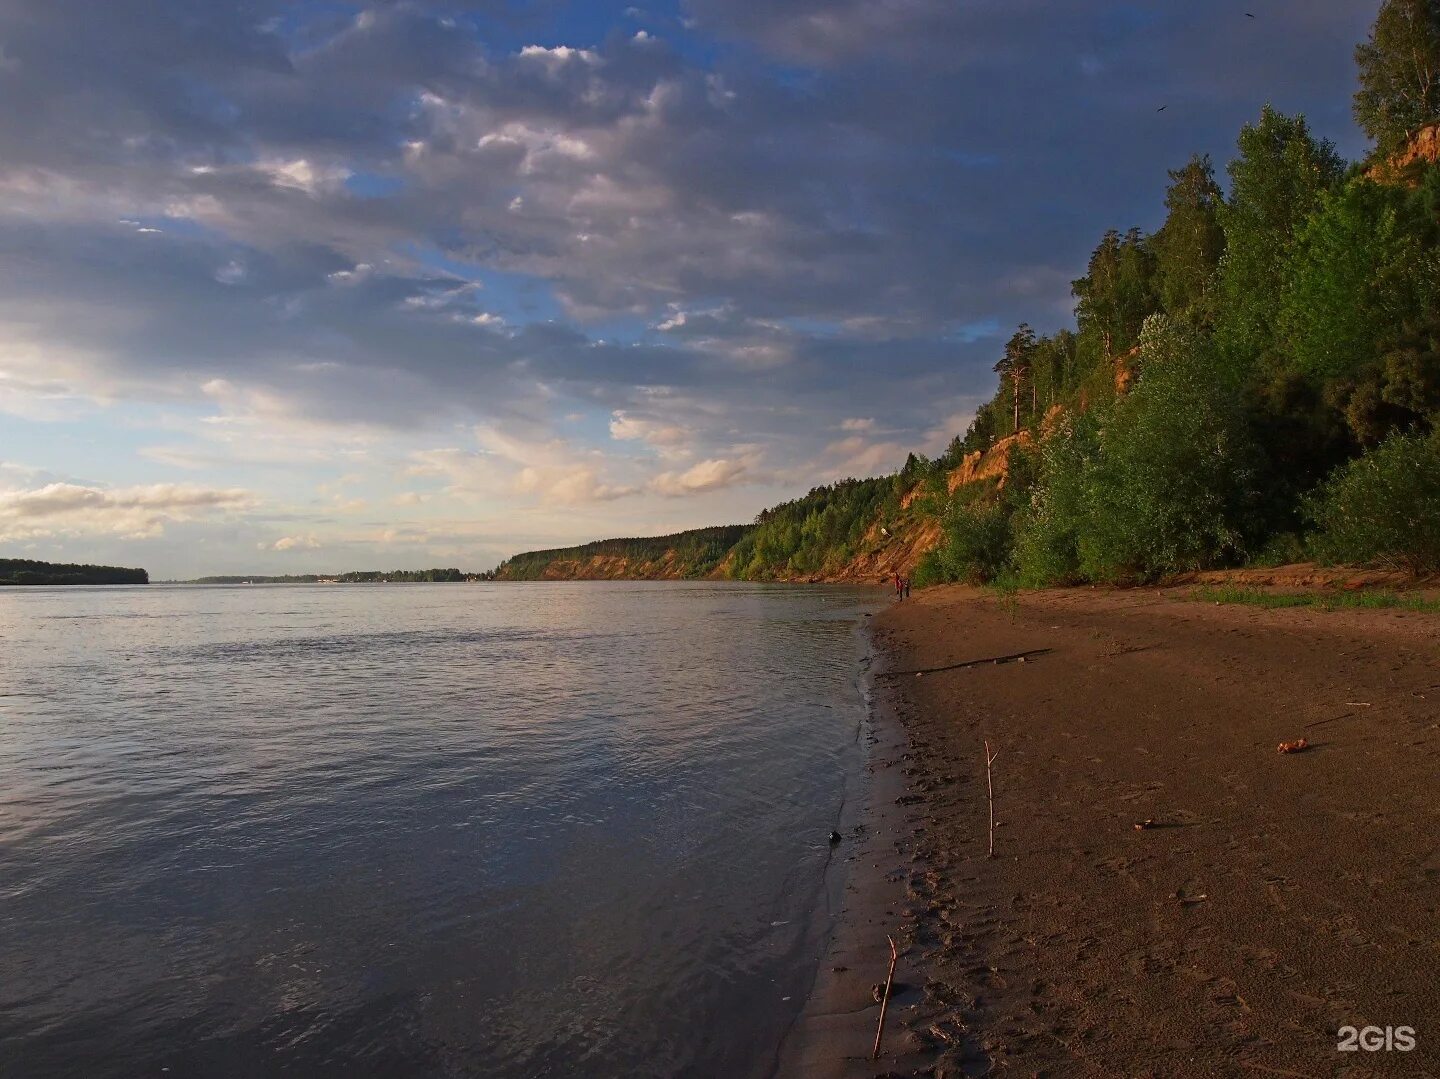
(1047, 530)
(1156, 482)
(976, 544)
(1384, 507)
(1172, 488)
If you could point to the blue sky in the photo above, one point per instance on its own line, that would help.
(288, 287)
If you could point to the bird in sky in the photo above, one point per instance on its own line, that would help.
(1162, 108)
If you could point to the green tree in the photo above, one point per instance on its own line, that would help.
(1189, 245)
(1116, 294)
(1172, 487)
(984, 428)
(1399, 73)
(1047, 530)
(1359, 269)
(1053, 369)
(1275, 183)
(1016, 368)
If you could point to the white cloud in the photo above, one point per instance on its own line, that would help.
(75, 509)
(355, 276)
(856, 456)
(307, 542)
(232, 273)
(569, 485)
(711, 475)
(302, 174)
(857, 425)
(625, 427)
(553, 59)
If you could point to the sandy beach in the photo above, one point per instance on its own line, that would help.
(1265, 902)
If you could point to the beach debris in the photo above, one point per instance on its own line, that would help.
(965, 665)
(839, 970)
(1145, 825)
(835, 837)
(946, 1034)
(1188, 900)
(990, 789)
(885, 998)
(1297, 746)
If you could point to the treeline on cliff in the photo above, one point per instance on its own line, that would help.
(1257, 381)
(821, 532)
(696, 553)
(23, 571)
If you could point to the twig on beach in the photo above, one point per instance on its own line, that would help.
(990, 787)
(1016, 657)
(885, 999)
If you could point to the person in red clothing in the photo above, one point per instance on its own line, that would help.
(899, 586)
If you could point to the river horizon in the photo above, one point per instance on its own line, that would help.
(507, 830)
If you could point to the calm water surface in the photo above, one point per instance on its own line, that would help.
(481, 830)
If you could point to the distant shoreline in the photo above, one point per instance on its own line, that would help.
(26, 573)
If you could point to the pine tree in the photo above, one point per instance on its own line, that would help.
(1017, 365)
(1399, 73)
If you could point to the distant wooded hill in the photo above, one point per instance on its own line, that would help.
(683, 555)
(16, 571)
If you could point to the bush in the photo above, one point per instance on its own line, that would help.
(1384, 507)
(1172, 488)
(976, 547)
(1047, 530)
(1157, 482)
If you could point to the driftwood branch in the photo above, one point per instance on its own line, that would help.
(990, 789)
(1015, 657)
(885, 999)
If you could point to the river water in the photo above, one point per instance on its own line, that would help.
(385, 830)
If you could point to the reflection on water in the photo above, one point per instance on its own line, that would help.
(496, 830)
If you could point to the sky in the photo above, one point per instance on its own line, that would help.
(316, 286)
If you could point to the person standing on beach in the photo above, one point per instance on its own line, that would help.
(899, 586)
(906, 583)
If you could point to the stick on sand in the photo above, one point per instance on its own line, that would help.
(885, 999)
(990, 786)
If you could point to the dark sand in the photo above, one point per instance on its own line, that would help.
(1276, 899)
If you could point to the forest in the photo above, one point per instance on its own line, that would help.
(1255, 382)
(22, 571)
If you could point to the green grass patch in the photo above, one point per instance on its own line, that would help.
(1367, 599)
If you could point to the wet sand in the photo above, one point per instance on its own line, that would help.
(1272, 899)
